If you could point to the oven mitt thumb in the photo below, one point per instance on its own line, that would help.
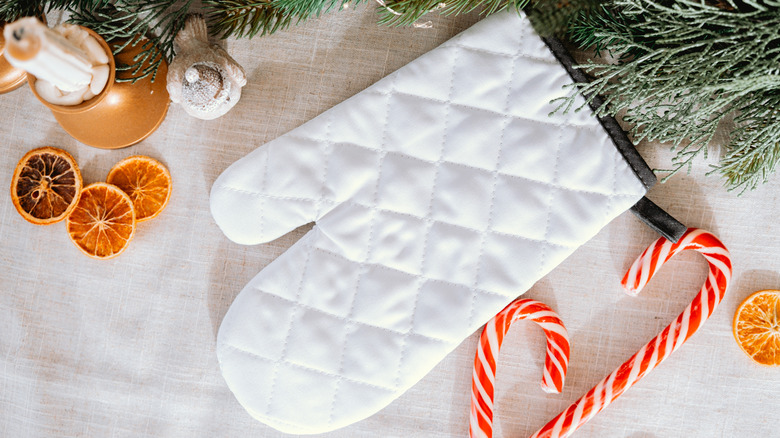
(440, 194)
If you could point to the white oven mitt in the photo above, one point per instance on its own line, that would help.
(439, 194)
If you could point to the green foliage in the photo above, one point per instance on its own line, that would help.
(682, 69)
(555, 17)
(151, 23)
(679, 69)
(408, 12)
(248, 18)
(128, 23)
(549, 17)
(154, 23)
(754, 150)
(12, 9)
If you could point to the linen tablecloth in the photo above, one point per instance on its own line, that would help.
(126, 347)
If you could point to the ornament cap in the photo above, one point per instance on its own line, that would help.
(192, 75)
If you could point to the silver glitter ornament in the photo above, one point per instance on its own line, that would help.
(203, 78)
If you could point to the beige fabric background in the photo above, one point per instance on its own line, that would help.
(125, 347)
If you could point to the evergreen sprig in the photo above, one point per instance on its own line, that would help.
(680, 68)
(151, 23)
(246, 19)
(683, 69)
(249, 18)
(555, 17)
(408, 12)
(13, 9)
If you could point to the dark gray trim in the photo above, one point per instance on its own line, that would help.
(658, 219)
(611, 126)
(654, 216)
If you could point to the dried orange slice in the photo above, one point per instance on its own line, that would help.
(103, 221)
(146, 181)
(757, 327)
(46, 185)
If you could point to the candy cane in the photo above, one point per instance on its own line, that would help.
(483, 379)
(669, 340)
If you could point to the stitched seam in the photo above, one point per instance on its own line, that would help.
(340, 143)
(411, 274)
(289, 331)
(372, 223)
(308, 368)
(421, 218)
(467, 228)
(542, 253)
(266, 195)
(509, 55)
(609, 125)
(494, 189)
(608, 209)
(272, 420)
(359, 146)
(264, 188)
(328, 151)
(444, 161)
(353, 202)
(377, 210)
(405, 339)
(350, 201)
(544, 122)
(333, 315)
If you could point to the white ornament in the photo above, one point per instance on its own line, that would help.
(203, 78)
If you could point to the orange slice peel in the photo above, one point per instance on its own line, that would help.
(103, 222)
(46, 185)
(100, 218)
(757, 327)
(146, 181)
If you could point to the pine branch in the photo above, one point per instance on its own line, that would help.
(304, 9)
(408, 12)
(245, 18)
(554, 18)
(11, 10)
(754, 150)
(151, 23)
(249, 18)
(682, 68)
(603, 30)
(74, 4)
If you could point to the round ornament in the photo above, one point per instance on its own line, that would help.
(203, 78)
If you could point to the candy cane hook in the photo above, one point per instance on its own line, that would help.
(669, 340)
(483, 379)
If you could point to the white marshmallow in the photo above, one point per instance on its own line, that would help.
(99, 78)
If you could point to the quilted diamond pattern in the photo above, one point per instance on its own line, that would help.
(439, 194)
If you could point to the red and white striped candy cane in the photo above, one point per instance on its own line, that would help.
(483, 379)
(669, 340)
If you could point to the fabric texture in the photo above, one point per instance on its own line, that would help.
(127, 347)
(439, 194)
